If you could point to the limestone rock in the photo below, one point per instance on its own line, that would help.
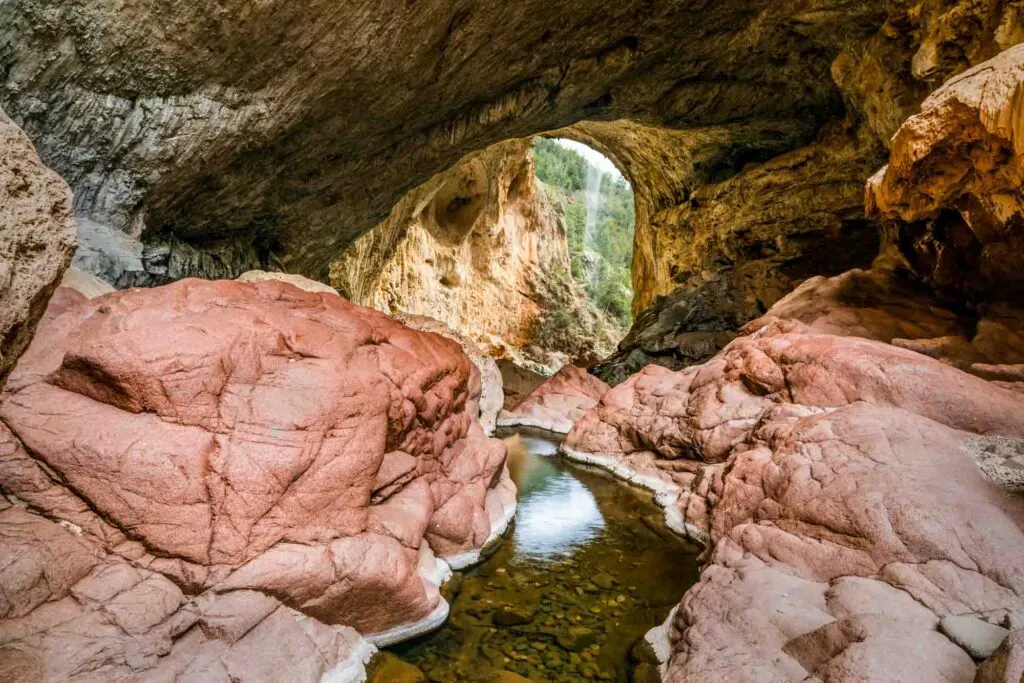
(951, 197)
(86, 284)
(283, 126)
(480, 249)
(303, 283)
(979, 638)
(556, 404)
(247, 437)
(37, 238)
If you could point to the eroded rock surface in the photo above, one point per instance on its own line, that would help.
(834, 479)
(556, 404)
(220, 440)
(846, 460)
(37, 238)
(951, 198)
(481, 249)
(488, 376)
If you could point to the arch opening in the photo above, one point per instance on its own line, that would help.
(525, 248)
(599, 208)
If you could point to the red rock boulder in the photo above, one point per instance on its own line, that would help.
(232, 438)
(556, 404)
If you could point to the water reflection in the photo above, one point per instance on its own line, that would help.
(588, 568)
(557, 513)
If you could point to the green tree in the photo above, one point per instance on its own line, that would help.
(601, 261)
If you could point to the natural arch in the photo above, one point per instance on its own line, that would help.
(295, 130)
(274, 137)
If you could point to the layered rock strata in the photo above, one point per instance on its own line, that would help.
(37, 238)
(556, 404)
(481, 249)
(286, 127)
(216, 458)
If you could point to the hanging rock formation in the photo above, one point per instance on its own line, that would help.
(211, 456)
(853, 490)
(37, 238)
(952, 197)
(481, 249)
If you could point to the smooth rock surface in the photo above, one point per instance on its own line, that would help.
(86, 284)
(979, 638)
(556, 404)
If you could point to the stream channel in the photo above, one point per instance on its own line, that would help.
(588, 568)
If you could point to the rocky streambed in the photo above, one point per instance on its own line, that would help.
(587, 570)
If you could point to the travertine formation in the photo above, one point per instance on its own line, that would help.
(209, 456)
(556, 404)
(849, 458)
(37, 238)
(952, 197)
(481, 249)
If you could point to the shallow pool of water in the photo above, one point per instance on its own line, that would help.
(587, 569)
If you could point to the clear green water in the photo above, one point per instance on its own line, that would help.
(588, 568)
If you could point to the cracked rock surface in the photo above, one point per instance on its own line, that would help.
(833, 478)
(851, 458)
(233, 454)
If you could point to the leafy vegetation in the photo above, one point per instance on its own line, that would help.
(601, 257)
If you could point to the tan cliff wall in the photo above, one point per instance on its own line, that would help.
(285, 143)
(716, 245)
(480, 248)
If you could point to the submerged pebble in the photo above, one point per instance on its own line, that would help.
(578, 582)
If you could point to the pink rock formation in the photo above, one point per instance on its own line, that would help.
(556, 404)
(881, 304)
(848, 514)
(264, 449)
(848, 460)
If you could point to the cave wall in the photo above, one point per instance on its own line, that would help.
(767, 208)
(295, 126)
(274, 136)
(482, 249)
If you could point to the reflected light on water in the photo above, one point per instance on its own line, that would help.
(557, 513)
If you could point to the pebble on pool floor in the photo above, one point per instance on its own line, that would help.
(560, 604)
